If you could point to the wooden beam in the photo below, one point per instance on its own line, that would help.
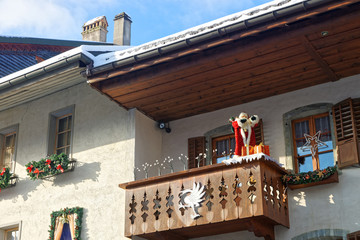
(261, 229)
(322, 64)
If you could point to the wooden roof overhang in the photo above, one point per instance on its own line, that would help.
(298, 51)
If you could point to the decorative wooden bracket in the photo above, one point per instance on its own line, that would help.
(261, 229)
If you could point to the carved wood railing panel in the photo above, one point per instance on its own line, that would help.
(230, 193)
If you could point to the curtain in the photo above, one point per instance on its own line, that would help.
(71, 219)
(65, 231)
(58, 228)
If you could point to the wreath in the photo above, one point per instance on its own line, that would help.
(62, 215)
(309, 177)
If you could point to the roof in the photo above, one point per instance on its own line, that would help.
(276, 48)
(17, 53)
(222, 26)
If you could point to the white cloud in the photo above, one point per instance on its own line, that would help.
(46, 18)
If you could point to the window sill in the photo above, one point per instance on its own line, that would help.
(332, 179)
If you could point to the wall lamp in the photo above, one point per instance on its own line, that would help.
(166, 126)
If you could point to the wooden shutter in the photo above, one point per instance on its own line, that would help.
(196, 146)
(353, 236)
(259, 134)
(346, 115)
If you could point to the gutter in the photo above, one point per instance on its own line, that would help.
(46, 69)
(188, 42)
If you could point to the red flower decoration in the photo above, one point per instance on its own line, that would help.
(307, 176)
(38, 172)
(48, 162)
(60, 167)
(30, 168)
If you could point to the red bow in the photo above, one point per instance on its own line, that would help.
(38, 172)
(59, 167)
(2, 173)
(30, 168)
(48, 162)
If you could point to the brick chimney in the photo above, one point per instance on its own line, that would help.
(95, 30)
(122, 29)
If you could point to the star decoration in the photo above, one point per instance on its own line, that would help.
(313, 148)
(320, 174)
(297, 178)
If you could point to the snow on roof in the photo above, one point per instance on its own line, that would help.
(84, 49)
(94, 20)
(196, 31)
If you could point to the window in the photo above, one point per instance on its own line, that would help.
(313, 148)
(222, 148)
(8, 139)
(63, 134)
(12, 234)
(10, 231)
(61, 131)
(220, 141)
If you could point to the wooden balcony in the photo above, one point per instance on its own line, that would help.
(248, 196)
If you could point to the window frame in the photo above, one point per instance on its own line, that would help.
(66, 132)
(214, 157)
(301, 112)
(312, 132)
(12, 130)
(54, 118)
(5, 228)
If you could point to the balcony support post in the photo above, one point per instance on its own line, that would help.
(261, 229)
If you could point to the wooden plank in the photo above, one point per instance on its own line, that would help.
(216, 209)
(151, 221)
(206, 217)
(318, 59)
(256, 204)
(177, 220)
(163, 222)
(188, 183)
(210, 77)
(128, 226)
(138, 227)
(333, 39)
(198, 106)
(218, 87)
(341, 47)
(232, 180)
(243, 172)
(218, 67)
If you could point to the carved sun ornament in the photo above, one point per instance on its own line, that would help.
(313, 148)
(192, 198)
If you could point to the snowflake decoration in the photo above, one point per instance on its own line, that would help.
(317, 145)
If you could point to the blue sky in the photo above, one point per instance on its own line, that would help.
(152, 19)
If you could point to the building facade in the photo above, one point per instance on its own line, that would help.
(292, 63)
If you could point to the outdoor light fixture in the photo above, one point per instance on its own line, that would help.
(163, 125)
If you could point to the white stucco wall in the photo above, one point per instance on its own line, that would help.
(328, 206)
(103, 145)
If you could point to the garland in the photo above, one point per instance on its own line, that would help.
(5, 176)
(52, 165)
(63, 213)
(309, 177)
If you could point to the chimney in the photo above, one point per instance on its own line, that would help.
(95, 30)
(122, 29)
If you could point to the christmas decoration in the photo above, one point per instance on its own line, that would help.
(62, 215)
(313, 148)
(309, 177)
(191, 198)
(52, 165)
(243, 127)
(5, 176)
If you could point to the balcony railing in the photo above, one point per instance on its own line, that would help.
(248, 196)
